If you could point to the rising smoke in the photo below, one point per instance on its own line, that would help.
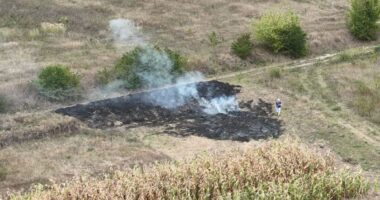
(126, 33)
(159, 74)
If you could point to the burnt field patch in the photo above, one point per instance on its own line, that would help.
(210, 111)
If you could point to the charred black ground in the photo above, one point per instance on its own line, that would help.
(254, 121)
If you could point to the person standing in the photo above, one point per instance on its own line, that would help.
(278, 106)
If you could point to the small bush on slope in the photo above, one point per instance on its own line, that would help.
(57, 82)
(242, 46)
(281, 32)
(154, 63)
(3, 104)
(276, 170)
(363, 18)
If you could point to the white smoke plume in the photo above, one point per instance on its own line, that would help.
(159, 65)
(184, 89)
(219, 105)
(125, 32)
(111, 90)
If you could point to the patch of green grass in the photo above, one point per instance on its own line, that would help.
(275, 73)
(214, 39)
(351, 148)
(344, 57)
(105, 76)
(3, 104)
(366, 99)
(3, 173)
(297, 85)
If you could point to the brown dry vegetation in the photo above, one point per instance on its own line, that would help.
(275, 170)
(182, 25)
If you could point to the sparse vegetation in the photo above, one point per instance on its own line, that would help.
(3, 173)
(214, 39)
(344, 57)
(57, 82)
(274, 171)
(275, 73)
(367, 99)
(53, 28)
(242, 46)
(3, 104)
(281, 32)
(363, 18)
(105, 76)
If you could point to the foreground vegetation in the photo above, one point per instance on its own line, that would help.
(282, 32)
(276, 170)
(363, 18)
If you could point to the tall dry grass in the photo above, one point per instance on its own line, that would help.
(277, 170)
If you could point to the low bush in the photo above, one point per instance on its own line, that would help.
(3, 104)
(214, 39)
(275, 73)
(281, 32)
(277, 170)
(242, 46)
(104, 76)
(58, 83)
(363, 17)
(53, 28)
(3, 173)
(149, 67)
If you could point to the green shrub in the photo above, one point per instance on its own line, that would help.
(242, 46)
(213, 39)
(58, 83)
(281, 32)
(3, 173)
(3, 104)
(179, 62)
(149, 61)
(275, 73)
(363, 17)
(104, 76)
(344, 57)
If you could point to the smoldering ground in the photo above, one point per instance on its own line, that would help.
(188, 105)
(252, 121)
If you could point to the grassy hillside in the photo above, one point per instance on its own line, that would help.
(36, 33)
(331, 103)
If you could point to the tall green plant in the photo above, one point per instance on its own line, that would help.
(3, 104)
(363, 18)
(282, 33)
(242, 46)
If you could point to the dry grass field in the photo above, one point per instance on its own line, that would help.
(332, 107)
(85, 43)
